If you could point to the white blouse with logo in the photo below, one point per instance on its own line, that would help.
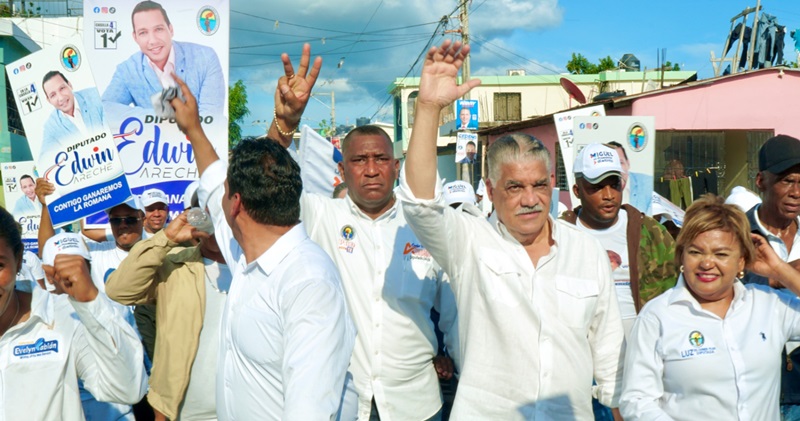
(684, 362)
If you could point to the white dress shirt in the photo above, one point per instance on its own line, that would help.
(165, 76)
(391, 283)
(532, 338)
(286, 336)
(684, 362)
(42, 358)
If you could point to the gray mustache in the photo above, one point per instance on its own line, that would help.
(529, 209)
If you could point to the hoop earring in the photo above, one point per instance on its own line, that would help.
(681, 269)
(741, 274)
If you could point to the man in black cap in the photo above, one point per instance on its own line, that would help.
(776, 219)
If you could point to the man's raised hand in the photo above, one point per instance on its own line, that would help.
(438, 84)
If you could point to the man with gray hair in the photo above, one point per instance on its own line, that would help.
(536, 327)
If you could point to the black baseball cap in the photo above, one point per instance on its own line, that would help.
(778, 154)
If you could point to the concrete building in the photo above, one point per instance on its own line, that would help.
(516, 97)
(713, 125)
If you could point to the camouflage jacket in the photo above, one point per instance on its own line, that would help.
(652, 263)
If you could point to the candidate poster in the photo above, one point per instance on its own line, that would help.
(67, 130)
(637, 136)
(564, 129)
(19, 188)
(467, 111)
(466, 147)
(136, 48)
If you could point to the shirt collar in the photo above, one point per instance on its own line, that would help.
(390, 213)
(274, 255)
(503, 231)
(763, 230)
(169, 67)
(42, 305)
(680, 293)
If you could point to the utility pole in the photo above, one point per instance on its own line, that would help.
(466, 169)
(332, 107)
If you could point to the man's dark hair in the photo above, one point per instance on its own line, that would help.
(51, 74)
(367, 130)
(148, 5)
(471, 143)
(26, 176)
(268, 180)
(615, 144)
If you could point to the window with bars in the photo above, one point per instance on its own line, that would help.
(561, 170)
(507, 106)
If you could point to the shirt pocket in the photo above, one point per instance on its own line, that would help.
(503, 280)
(418, 282)
(577, 300)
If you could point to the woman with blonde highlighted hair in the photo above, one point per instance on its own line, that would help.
(710, 347)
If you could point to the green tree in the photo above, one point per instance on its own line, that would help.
(580, 65)
(670, 66)
(325, 128)
(237, 111)
(606, 63)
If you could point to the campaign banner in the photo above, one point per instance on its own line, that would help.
(67, 131)
(466, 147)
(19, 189)
(135, 49)
(319, 162)
(467, 111)
(564, 129)
(668, 210)
(637, 135)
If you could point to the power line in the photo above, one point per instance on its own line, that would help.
(485, 41)
(421, 54)
(328, 53)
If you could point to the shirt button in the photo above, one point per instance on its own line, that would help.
(377, 299)
(377, 325)
(377, 352)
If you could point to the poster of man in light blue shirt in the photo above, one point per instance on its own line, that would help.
(77, 114)
(149, 71)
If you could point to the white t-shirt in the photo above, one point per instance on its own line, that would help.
(31, 271)
(200, 401)
(615, 241)
(106, 257)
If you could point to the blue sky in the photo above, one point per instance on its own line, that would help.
(380, 40)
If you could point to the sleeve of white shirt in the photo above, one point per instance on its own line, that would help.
(110, 357)
(643, 384)
(319, 339)
(607, 337)
(36, 267)
(439, 228)
(791, 313)
(209, 194)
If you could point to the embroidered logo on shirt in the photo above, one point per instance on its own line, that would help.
(415, 251)
(697, 340)
(348, 233)
(346, 243)
(38, 348)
